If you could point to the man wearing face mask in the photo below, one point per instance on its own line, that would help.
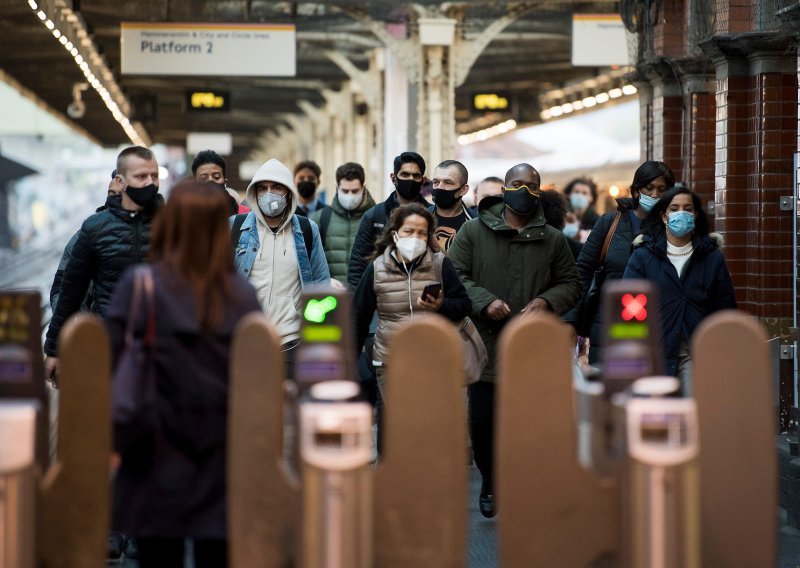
(338, 223)
(307, 176)
(108, 242)
(511, 262)
(449, 188)
(409, 172)
(279, 252)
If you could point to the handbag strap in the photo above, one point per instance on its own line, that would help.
(149, 293)
(609, 236)
(143, 289)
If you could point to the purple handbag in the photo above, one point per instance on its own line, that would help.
(133, 386)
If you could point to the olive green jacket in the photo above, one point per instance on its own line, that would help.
(337, 241)
(495, 261)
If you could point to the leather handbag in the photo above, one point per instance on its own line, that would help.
(133, 385)
(587, 308)
(475, 356)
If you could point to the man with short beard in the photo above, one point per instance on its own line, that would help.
(409, 173)
(108, 242)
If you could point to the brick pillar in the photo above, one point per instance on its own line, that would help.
(699, 140)
(668, 123)
(756, 132)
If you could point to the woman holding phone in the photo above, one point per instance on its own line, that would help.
(406, 278)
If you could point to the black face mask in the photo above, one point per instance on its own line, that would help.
(408, 188)
(445, 198)
(143, 196)
(306, 189)
(520, 201)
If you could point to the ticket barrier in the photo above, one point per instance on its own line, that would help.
(409, 510)
(52, 514)
(643, 477)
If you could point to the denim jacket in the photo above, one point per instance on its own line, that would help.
(313, 270)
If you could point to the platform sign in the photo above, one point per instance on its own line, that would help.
(204, 49)
(599, 40)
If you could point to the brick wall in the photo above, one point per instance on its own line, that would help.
(756, 130)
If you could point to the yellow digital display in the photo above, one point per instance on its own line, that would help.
(489, 101)
(629, 331)
(322, 333)
(207, 100)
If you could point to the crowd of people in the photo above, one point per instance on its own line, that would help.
(213, 257)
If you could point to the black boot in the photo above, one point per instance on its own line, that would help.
(486, 502)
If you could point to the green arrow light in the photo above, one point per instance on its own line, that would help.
(317, 310)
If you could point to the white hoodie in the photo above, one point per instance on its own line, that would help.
(275, 274)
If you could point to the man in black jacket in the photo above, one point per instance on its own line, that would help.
(108, 242)
(409, 171)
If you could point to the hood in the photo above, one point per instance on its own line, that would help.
(491, 214)
(273, 170)
(360, 210)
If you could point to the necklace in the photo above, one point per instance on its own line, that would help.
(687, 253)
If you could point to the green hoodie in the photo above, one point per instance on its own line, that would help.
(495, 261)
(340, 234)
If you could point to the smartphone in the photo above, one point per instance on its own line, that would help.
(431, 291)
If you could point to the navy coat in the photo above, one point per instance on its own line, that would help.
(171, 482)
(704, 288)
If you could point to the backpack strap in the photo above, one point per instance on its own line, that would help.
(308, 236)
(324, 223)
(379, 218)
(236, 229)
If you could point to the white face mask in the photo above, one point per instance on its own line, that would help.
(351, 201)
(410, 248)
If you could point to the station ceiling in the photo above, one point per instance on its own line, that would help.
(529, 57)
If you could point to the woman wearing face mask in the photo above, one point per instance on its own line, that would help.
(582, 195)
(403, 264)
(650, 181)
(676, 251)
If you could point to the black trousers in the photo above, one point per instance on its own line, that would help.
(169, 553)
(481, 430)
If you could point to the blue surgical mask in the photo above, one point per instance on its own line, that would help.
(579, 201)
(680, 223)
(571, 229)
(646, 202)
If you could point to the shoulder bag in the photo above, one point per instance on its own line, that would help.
(133, 385)
(587, 308)
(475, 356)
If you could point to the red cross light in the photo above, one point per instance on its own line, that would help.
(633, 307)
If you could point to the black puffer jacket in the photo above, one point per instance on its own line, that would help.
(371, 227)
(619, 251)
(108, 242)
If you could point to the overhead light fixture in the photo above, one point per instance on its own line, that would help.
(117, 104)
(587, 102)
(486, 133)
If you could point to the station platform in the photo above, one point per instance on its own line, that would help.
(482, 552)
